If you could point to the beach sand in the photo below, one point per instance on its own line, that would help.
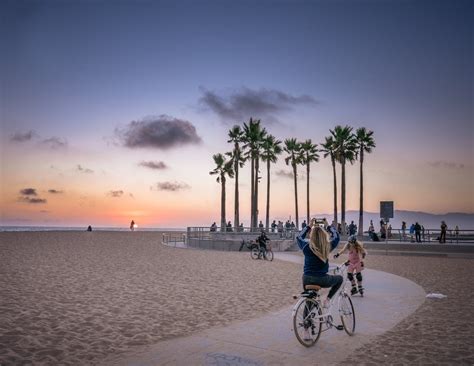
(440, 331)
(77, 298)
(73, 298)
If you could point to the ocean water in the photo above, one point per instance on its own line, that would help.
(82, 228)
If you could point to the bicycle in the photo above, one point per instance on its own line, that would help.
(249, 244)
(259, 253)
(309, 316)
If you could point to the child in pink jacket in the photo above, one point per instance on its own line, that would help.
(356, 254)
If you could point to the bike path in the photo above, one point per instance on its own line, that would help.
(270, 340)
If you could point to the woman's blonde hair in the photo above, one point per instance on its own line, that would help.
(319, 242)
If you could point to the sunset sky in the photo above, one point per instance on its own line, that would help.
(87, 88)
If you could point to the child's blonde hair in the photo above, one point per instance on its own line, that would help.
(357, 245)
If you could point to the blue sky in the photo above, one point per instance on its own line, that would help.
(78, 70)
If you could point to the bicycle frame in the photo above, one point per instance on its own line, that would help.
(341, 270)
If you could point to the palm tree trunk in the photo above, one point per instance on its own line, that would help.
(335, 189)
(255, 205)
(307, 192)
(252, 191)
(361, 203)
(296, 195)
(236, 196)
(223, 225)
(343, 195)
(267, 216)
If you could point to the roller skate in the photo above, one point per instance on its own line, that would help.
(353, 290)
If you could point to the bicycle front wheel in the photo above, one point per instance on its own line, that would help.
(255, 253)
(269, 255)
(346, 309)
(307, 322)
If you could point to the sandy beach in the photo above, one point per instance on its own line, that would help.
(441, 331)
(74, 298)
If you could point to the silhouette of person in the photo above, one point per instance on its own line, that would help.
(89, 228)
(132, 225)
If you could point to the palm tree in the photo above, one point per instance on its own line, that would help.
(270, 150)
(236, 136)
(328, 150)
(309, 153)
(253, 137)
(365, 144)
(293, 149)
(222, 169)
(345, 151)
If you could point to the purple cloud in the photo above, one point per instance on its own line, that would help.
(157, 165)
(162, 132)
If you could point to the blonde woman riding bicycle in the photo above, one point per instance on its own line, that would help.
(316, 251)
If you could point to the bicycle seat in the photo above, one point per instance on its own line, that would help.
(312, 287)
(309, 294)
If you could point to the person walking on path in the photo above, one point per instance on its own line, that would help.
(356, 254)
(444, 229)
(404, 229)
(417, 232)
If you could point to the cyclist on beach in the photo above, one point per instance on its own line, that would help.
(356, 254)
(262, 242)
(316, 251)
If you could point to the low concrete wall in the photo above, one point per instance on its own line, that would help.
(217, 243)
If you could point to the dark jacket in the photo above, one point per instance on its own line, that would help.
(313, 266)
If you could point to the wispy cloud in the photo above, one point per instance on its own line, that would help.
(84, 170)
(284, 174)
(55, 143)
(157, 165)
(55, 191)
(244, 103)
(23, 136)
(115, 194)
(162, 132)
(29, 195)
(446, 164)
(28, 192)
(170, 186)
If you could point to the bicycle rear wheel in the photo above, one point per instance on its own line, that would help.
(346, 309)
(255, 253)
(307, 322)
(269, 255)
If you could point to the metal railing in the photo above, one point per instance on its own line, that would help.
(174, 239)
(428, 236)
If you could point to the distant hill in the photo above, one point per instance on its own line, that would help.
(428, 220)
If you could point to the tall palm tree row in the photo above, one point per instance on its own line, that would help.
(345, 148)
(236, 137)
(309, 154)
(223, 168)
(270, 150)
(252, 142)
(365, 143)
(328, 150)
(293, 149)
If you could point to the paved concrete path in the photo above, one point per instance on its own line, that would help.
(270, 340)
